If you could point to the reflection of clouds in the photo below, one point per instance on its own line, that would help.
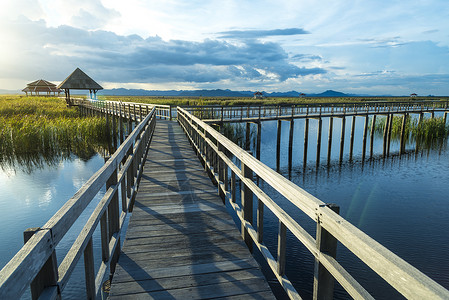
(47, 197)
(47, 187)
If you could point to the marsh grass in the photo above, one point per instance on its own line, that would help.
(36, 131)
(430, 133)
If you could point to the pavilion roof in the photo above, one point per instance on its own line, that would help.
(41, 85)
(79, 80)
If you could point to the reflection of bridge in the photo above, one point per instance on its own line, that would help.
(180, 242)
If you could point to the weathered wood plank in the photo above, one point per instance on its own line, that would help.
(241, 287)
(181, 242)
(160, 284)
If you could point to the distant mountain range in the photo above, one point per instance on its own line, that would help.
(204, 93)
(215, 93)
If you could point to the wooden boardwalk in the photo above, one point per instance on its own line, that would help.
(181, 242)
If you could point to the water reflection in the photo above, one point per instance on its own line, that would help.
(399, 200)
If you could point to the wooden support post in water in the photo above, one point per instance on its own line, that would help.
(306, 140)
(290, 145)
(371, 137)
(342, 137)
(351, 142)
(387, 122)
(258, 140)
(248, 136)
(114, 126)
(121, 124)
(402, 142)
(329, 142)
(445, 117)
(278, 145)
(323, 283)
(365, 132)
(318, 141)
(247, 206)
(48, 275)
(390, 125)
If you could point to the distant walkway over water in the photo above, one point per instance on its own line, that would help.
(181, 242)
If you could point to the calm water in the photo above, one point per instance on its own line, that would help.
(401, 202)
(31, 199)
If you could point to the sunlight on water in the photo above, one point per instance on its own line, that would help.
(31, 199)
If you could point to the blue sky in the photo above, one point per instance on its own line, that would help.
(364, 47)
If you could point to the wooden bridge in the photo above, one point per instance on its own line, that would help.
(181, 243)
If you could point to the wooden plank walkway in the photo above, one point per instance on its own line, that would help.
(181, 242)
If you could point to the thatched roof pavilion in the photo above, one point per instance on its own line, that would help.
(79, 80)
(41, 87)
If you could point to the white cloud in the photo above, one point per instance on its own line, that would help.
(174, 42)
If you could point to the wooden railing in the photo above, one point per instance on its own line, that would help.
(216, 113)
(129, 110)
(216, 151)
(35, 265)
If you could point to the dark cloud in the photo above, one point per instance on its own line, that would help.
(254, 34)
(430, 31)
(392, 42)
(111, 57)
(306, 57)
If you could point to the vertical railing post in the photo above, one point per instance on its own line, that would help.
(48, 275)
(221, 173)
(247, 205)
(113, 217)
(323, 283)
(89, 271)
(282, 241)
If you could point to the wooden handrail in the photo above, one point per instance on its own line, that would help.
(124, 169)
(213, 149)
(254, 112)
(162, 111)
